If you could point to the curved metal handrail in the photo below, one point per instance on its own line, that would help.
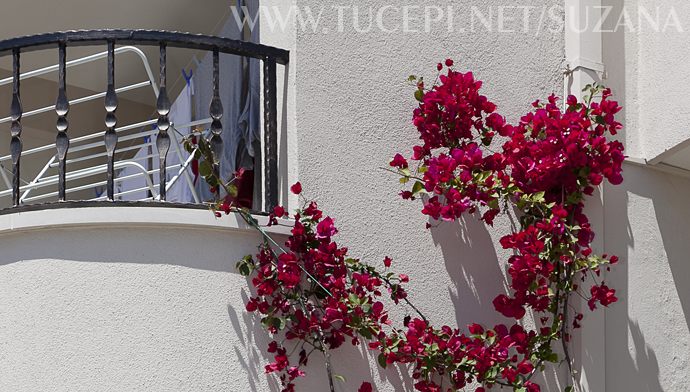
(144, 37)
(269, 57)
(88, 59)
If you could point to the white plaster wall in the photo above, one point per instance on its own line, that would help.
(647, 222)
(126, 299)
(646, 218)
(653, 65)
(353, 111)
(137, 307)
(663, 83)
(353, 114)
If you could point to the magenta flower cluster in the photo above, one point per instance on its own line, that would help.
(312, 296)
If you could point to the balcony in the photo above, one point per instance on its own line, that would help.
(145, 151)
(114, 274)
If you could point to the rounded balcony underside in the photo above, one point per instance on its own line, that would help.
(125, 298)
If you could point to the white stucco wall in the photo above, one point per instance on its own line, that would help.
(353, 111)
(646, 54)
(661, 83)
(122, 299)
(125, 299)
(647, 223)
(646, 219)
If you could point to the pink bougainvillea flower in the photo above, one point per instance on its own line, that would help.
(326, 228)
(542, 167)
(602, 294)
(399, 161)
(279, 211)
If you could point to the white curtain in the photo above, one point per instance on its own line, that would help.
(180, 113)
(240, 122)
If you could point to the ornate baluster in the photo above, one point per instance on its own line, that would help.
(216, 112)
(16, 127)
(163, 107)
(110, 121)
(62, 108)
(270, 133)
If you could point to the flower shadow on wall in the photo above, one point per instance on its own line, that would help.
(673, 220)
(645, 363)
(313, 296)
(652, 207)
(472, 263)
(253, 360)
(249, 355)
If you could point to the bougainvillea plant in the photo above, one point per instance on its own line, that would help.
(311, 296)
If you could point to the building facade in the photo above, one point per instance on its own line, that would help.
(130, 298)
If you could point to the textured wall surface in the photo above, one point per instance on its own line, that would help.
(647, 334)
(661, 55)
(646, 219)
(641, 56)
(354, 107)
(139, 307)
(155, 306)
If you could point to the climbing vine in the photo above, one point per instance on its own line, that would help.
(312, 296)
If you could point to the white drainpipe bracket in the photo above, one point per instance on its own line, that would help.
(582, 63)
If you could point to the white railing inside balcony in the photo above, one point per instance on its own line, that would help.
(82, 148)
(153, 141)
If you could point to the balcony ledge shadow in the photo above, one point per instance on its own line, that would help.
(79, 214)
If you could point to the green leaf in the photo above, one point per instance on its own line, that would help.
(211, 180)
(232, 190)
(493, 204)
(205, 168)
(204, 147)
(574, 198)
(245, 266)
(275, 322)
(419, 95)
(339, 377)
(267, 321)
(417, 187)
(521, 204)
(569, 389)
(539, 196)
(553, 358)
(382, 360)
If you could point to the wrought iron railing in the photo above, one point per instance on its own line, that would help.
(269, 56)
